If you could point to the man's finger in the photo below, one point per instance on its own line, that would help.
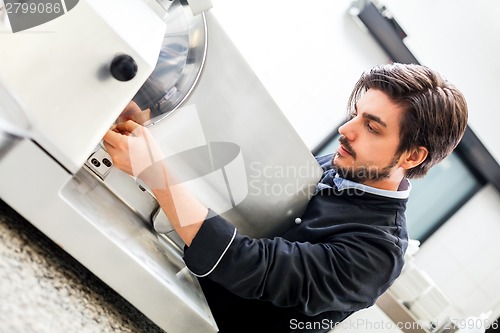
(112, 138)
(108, 146)
(127, 127)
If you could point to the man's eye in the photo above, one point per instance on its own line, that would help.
(370, 128)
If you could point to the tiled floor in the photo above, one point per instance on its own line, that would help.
(43, 289)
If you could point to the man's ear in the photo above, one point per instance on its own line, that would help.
(414, 157)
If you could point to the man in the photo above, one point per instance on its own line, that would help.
(349, 245)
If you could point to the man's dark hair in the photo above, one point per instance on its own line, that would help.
(434, 111)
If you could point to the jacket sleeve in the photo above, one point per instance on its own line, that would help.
(346, 274)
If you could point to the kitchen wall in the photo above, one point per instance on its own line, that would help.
(309, 54)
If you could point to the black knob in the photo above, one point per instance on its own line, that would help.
(123, 68)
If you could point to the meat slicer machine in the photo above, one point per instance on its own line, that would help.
(65, 80)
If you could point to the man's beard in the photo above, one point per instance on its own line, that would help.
(364, 173)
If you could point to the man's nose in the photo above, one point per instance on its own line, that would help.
(348, 130)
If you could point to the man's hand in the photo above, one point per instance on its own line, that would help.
(134, 150)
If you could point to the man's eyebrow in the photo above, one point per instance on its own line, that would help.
(374, 118)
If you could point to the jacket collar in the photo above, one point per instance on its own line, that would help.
(331, 178)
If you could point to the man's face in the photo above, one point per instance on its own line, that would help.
(369, 140)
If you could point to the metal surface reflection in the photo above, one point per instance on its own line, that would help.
(179, 66)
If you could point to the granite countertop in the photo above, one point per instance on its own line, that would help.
(43, 289)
